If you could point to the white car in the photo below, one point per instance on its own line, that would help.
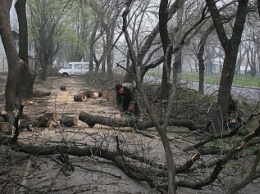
(74, 68)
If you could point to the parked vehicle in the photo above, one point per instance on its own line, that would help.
(74, 68)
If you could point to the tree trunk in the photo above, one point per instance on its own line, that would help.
(13, 99)
(91, 120)
(231, 50)
(200, 55)
(167, 49)
(150, 40)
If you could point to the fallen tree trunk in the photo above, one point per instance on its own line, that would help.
(133, 171)
(91, 120)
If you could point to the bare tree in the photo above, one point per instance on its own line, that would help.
(16, 66)
(201, 58)
(47, 19)
(230, 46)
(25, 87)
(160, 128)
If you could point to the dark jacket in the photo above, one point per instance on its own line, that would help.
(128, 98)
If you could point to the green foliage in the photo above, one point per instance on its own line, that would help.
(240, 80)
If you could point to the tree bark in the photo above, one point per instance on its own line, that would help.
(200, 57)
(91, 120)
(230, 46)
(45, 120)
(13, 60)
(28, 76)
(167, 48)
(79, 97)
(68, 121)
(85, 92)
(63, 88)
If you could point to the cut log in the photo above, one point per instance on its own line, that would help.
(105, 93)
(91, 120)
(6, 128)
(94, 95)
(63, 88)
(41, 93)
(172, 122)
(79, 97)
(2, 118)
(111, 97)
(68, 121)
(3, 112)
(85, 92)
(45, 120)
(29, 103)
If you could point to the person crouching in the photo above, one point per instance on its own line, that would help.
(126, 101)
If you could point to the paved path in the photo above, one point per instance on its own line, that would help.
(248, 93)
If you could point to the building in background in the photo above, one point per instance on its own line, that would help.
(31, 53)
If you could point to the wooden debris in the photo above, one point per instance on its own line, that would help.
(91, 120)
(85, 92)
(3, 112)
(63, 88)
(29, 102)
(109, 95)
(6, 128)
(2, 118)
(68, 121)
(80, 97)
(94, 95)
(45, 120)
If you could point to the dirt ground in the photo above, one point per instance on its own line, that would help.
(23, 173)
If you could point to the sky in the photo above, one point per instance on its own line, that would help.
(13, 17)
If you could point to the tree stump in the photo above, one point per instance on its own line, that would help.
(79, 97)
(45, 120)
(68, 121)
(63, 88)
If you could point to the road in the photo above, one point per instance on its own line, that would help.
(247, 93)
